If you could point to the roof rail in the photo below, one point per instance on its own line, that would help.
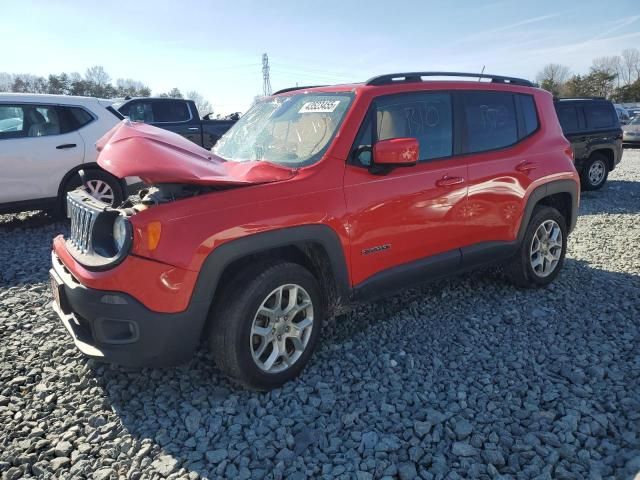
(293, 89)
(417, 77)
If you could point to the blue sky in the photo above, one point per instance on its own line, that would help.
(216, 47)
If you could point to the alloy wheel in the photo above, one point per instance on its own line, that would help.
(281, 328)
(100, 190)
(546, 248)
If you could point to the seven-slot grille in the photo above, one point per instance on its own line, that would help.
(83, 216)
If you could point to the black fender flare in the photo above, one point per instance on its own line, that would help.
(221, 257)
(556, 186)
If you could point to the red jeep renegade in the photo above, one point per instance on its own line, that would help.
(317, 198)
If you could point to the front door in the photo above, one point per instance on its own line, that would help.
(402, 217)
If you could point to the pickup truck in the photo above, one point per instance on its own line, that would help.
(177, 115)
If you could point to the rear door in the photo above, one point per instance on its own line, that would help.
(401, 217)
(39, 144)
(498, 126)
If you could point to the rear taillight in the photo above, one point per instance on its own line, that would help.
(569, 152)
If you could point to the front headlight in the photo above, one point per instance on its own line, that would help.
(119, 232)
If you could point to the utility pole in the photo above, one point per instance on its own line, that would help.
(266, 81)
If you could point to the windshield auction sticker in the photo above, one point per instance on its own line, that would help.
(321, 106)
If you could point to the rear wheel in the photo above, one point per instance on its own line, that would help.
(267, 324)
(99, 184)
(541, 254)
(595, 172)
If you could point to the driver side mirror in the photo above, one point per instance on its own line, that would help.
(396, 151)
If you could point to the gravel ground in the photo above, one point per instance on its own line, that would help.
(470, 378)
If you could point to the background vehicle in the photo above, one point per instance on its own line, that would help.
(633, 112)
(592, 127)
(317, 198)
(623, 114)
(631, 132)
(177, 115)
(44, 141)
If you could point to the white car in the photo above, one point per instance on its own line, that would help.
(44, 141)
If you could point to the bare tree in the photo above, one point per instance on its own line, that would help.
(630, 68)
(610, 66)
(203, 105)
(97, 75)
(6, 80)
(552, 77)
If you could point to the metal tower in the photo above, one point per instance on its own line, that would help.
(266, 82)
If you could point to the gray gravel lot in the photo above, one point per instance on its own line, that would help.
(469, 378)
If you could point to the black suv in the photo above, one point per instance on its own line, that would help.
(593, 128)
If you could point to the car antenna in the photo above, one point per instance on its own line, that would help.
(481, 73)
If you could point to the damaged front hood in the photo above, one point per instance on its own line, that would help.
(155, 155)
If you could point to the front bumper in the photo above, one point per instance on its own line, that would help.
(115, 327)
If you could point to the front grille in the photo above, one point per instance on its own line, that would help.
(83, 215)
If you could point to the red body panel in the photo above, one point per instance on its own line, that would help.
(160, 287)
(417, 210)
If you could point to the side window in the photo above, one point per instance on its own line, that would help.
(72, 118)
(568, 117)
(138, 112)
(599, 116)
(490, 121)
(426, 116)
(80, 117)
(42, 120)
(171, 111)
(12, 123)
(529, 115)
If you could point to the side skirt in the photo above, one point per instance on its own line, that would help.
(433, 268)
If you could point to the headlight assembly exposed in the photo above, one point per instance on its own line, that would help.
(119, 232)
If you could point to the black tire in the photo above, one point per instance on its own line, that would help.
(520, 270)
(230, 338)
(600, 163)
(90, 174)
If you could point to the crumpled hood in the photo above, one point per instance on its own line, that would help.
(132, 149)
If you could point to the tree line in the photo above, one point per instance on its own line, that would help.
(95, 82)
(615, 77)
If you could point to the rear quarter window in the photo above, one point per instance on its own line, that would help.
(529, 115)
(600, 116)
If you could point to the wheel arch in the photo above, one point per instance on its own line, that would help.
(87, 166)
(608, 153)
(563, 195)
(316, 247)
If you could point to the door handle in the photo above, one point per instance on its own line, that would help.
(526, 167)
(448, 181)
(193, 129)
(66, 145)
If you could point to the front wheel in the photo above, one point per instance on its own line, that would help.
(541, 253)
(595, 172)
(99, 184)
(267, 325)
